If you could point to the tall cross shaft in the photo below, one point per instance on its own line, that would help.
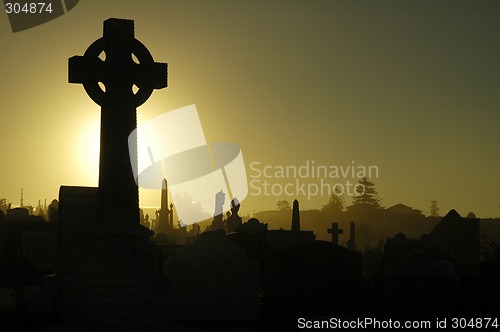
(118, 191)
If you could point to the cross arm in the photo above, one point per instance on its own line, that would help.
(83, 69)
(151, 75)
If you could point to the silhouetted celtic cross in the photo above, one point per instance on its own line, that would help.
(118, 192)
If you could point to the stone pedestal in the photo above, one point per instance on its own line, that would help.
(213, 280)
(107, 275)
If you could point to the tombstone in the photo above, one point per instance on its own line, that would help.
(417, 276)
(108, 271)
(313, 278)
(165, 251)
(27, 252)
(284, 238)
(488, 286)
(396, 249)
(461, 238)
(233, 221)
(8, 299)
(213, 280)
(195, 230)
(37, 298)
(39, 248)
(218, 222)
(78, 215)
(145, 220)
(430, 261)
(372, 262)
(296, 217)
(192, 234)
(255, 246)
(53, 211)
(171, 216)
(253, 225)
(22, 214)
(180, 233)
(351, 243)
(335, 231)
(278, 239)
(439, 272)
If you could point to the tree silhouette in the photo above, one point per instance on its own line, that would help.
(336, 203)
(471, 215)
(283, 205)
(434, 209)
(366, 194)
(4, 206)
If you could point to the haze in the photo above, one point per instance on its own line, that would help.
(408, 87)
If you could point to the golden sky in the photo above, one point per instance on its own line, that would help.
(411, 87)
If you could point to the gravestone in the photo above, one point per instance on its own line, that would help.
(108, 271)
(314, 278)
(8, 299)
(255, 246)
(351, 243)
(296, 216)
(278, 238)
(335, 231)
(37, 298)
(461, 238)
(218, 222)
(233, 221)
(253, 225)
(39, 248)
(214, 280)
(284, 238)
(417, 276)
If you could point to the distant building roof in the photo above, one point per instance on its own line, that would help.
(403, 209)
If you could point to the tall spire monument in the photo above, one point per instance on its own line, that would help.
(163, 225)
(296, 216)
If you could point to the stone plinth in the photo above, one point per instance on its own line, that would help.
(106, 276)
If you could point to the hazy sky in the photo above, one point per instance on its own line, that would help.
(411, 87)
